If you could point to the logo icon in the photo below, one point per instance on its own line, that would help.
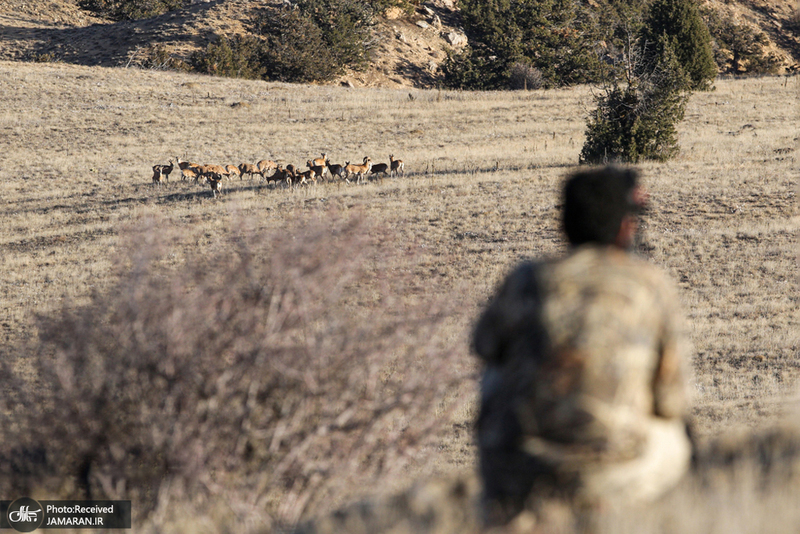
(25, 515)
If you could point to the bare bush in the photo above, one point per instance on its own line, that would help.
(233, 373)
(525, 76)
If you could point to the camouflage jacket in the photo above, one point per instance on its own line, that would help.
(581, 352)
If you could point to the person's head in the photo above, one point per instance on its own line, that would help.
(600, 206)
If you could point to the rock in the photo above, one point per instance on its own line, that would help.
(422, 24)
(455, 38)
(347, 83)
(393, 13)
(436, 21)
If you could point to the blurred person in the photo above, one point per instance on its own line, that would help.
(584, 390)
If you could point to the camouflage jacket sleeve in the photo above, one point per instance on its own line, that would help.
(671, 382)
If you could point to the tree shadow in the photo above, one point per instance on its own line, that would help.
(111, 44)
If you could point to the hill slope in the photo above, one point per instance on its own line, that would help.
(408, 51)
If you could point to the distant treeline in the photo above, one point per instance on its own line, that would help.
(513, 44)
(532, 43)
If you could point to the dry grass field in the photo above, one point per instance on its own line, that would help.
(480, 192)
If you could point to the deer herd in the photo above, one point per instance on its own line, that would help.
(318, 169)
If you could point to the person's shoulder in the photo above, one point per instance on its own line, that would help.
(526, 271)
(649, 274)
(610, 263)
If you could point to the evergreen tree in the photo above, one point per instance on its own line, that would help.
(739, 48)
(551, 36)
(678, 24)
(344, 26)
(294, 50)
(130, 9)
(636, 119)
(234, 58)
(314, 42)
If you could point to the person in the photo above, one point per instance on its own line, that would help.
(584, 392)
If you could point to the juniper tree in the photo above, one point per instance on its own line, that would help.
(636, 117)
(552, 36)
(678, 24)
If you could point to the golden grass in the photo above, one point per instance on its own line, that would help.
(483, 172)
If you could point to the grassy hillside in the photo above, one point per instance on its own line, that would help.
(404, 53)
(480, 192)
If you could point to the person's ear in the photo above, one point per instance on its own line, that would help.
(627, 231)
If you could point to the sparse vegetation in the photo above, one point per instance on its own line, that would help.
(157, 57)
(131, 9)
(525, 76)
(239, 57)
(739, 49)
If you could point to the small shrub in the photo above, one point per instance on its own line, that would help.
(380, 6)
(553, 36)
(524, 76)
(346, 27)
(252, 371)
(469, 71)
(157, 57)
(130, 9)
(239, 57)
(316, 41)
(47, 57)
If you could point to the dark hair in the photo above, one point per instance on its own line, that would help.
(595, 202)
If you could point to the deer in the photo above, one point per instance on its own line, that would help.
(189, 173)
(359, 170)
(182, 164)
(265, 165)
(319, 170)
(380, 167)
(213, 181)
(233, 170)
(210, 170)
(335, 170)
(306, 177)
(249, 168)
(280, 175)
(157, 174)
(188, 169)
(398, 167)
(161, 172)
(321, 162)
(165, 170)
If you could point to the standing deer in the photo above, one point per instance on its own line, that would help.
(398, 167)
